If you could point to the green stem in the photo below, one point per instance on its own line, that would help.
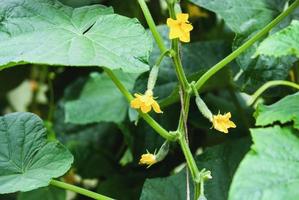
(79, 190)
(184, 113)
(179, 67)
(183, 138)
(190, 160)
(161, 57)
(152, 25)
(245, 46)
(155, 125)
(197, 190)
(267, 86)
(296, 72)
(119, 85)
(176, 55)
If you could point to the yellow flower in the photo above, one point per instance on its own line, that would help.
(145, 102)
(148, 159)
(180, 28)
(222, 122)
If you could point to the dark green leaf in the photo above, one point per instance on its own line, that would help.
(46, 193)
(222, 160)
(27, 160)
(173, 187)
(242, 16)
(246, 18)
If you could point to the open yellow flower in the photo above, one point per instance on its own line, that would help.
(145, 102)
(148, 159)
(180, 28)
(222, 122)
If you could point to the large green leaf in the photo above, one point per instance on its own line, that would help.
(47, 32)
(285, 110)
(45, 193)
(100, 100)
(222, 160)
(271, 169)
(282, 43)
(27, 160)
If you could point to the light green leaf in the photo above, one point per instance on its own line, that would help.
(100, 100)
(45, 193)
(27, 160)
(47, 32)
(271, 169)
(283, 111)
(282, 43)
(222, 160)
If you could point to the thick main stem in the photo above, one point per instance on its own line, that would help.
(155, 125)
(190, 159)
(182, 127)
(79, 190)
(183, 140)
(245, 46)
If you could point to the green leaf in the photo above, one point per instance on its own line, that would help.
(80, 3)
(173, 187)
(283, 111)
(222, 160)
(100, 100)
(45, 193)
(27, 160)
(47, 32)
(243, 16)
(282, 43)
(271, 169)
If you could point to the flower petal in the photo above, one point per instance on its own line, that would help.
(185, 37)
(228, 115)
(175, 32)
(145, 109)
(187, 27)
(171, 22)
(183, 17)
(135, 103)
(156, 107)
